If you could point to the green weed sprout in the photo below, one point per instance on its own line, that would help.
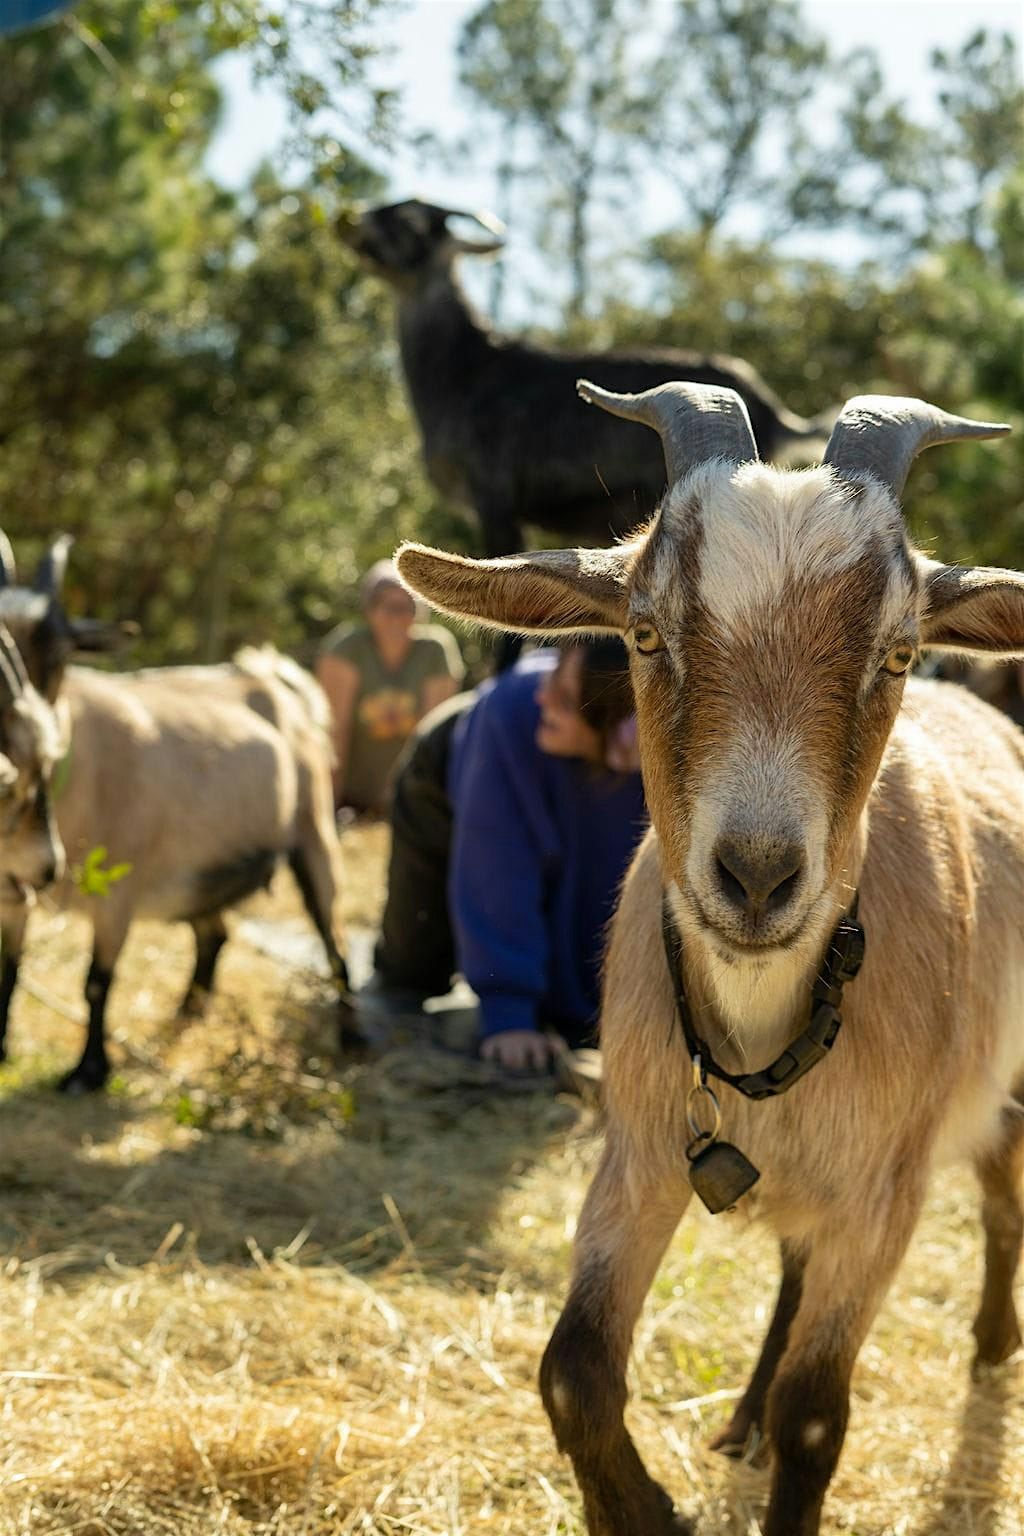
(90, 876)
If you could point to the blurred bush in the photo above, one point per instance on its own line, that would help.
(202, 386)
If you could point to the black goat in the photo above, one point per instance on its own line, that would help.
(504, 431)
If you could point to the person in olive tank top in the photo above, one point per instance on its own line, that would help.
(381, 677)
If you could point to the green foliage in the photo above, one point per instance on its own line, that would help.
(983, 101)
(559, 79)
(918, 185)
(199, 386)
(734, 73)
(513, 57)
(937, 311)
(264, 1100)
(90, 876)
(202, 386)
(949, 328)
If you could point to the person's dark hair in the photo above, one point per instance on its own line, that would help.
(606, 692)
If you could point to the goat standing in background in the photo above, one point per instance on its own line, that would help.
(198, 783)
(31, 744)
(503, 431)
(292, 701)
(772, 618)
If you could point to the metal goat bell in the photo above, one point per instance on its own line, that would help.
(720, 1174)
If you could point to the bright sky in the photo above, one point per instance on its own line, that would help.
(422, 35)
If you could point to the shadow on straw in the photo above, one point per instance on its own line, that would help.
(972, 1498)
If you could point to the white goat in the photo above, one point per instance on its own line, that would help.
(772, 617)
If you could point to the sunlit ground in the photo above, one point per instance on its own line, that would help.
(254, 1291)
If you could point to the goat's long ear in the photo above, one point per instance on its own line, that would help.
(973, 609)
(564, 591)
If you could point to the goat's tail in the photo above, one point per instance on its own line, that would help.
(264, 663)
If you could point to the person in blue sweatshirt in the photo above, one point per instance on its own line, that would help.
(516, 812)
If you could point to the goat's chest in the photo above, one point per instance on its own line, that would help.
(816, 1154)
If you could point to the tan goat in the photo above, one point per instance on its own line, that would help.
(199, 779)
(772, 617)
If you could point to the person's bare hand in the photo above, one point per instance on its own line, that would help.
(517, 1050)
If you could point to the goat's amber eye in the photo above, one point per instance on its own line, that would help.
(647, 639)
(899, 660)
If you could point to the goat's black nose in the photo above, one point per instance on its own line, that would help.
(758, 880)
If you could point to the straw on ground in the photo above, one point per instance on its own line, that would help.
(250, 1292)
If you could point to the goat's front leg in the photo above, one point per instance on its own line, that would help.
(741, 1435)
(628, 1218)
(809, 1399)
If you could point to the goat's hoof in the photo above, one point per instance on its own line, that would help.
(998, 1350)
(631, 1505)
(353, 1044)
(351, 1040)
(194, 1004)
(672, 1522)
(741, 1440)
(86, 1078)
(678, 1525)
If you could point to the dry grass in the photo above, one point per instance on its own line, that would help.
(252, 1293)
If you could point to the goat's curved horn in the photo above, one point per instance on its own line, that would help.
(51, 568)
(695, 422)
(8, 569)
(495, 230)
(881, 435)
(488, 221)
(13, 677)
